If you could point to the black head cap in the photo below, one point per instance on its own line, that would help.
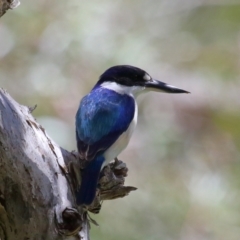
(125, 75)
(132, 76)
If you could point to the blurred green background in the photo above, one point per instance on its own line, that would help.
(184, 155)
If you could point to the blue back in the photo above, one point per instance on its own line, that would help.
(103, 115)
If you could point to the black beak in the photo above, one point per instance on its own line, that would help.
(155, 85)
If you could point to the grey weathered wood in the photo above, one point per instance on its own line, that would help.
(8, 4)
(36, 201)
(38, 180)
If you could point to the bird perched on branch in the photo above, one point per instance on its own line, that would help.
(106, 119)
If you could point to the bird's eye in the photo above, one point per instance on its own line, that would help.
(146, 77)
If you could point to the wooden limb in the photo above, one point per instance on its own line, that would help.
(38, 181)
(36, 200)
(8, 4)
(111, 184)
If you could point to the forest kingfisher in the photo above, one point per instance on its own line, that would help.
(106, 118)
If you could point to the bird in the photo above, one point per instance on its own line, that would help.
(106, 119)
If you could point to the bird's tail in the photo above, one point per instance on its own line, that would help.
(86, 194)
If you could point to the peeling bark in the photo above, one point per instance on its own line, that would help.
(35, 194)
(38, 180)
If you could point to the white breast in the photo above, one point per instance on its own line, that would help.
(122, 141)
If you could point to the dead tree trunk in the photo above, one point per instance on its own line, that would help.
(36, 201)
(38, 181)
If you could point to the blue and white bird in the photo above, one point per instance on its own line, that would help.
(106, 119)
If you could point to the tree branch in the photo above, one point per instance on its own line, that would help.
(38, 181)
(8, 4)
(36, 200)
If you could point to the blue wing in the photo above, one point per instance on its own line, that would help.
(102, 117)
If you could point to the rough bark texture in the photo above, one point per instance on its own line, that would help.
(38, 180)
(8, 4)
(33, 188)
